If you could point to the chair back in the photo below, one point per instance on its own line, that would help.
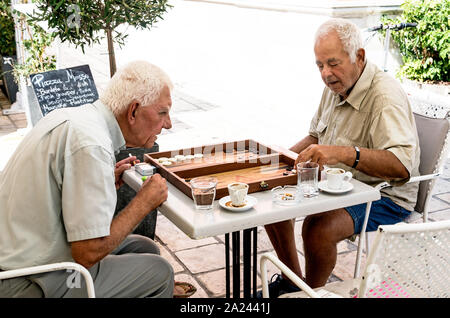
(409, 260)
(432, 141)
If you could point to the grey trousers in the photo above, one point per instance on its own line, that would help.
(134, 269)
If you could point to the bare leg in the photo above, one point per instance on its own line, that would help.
(281, 236)
(321, 232)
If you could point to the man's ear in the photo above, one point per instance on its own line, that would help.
(361, 56)
(131, 111)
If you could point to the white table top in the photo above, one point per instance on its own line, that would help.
(198, 224)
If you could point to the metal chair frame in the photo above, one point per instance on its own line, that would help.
(13, 273)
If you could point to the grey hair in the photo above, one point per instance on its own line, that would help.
(348, 33)
(138, 80)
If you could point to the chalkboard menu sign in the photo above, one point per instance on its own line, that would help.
(68, 87)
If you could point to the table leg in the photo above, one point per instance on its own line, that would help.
(227, 265)
(255, 260)
(247, 261)
(236, 264)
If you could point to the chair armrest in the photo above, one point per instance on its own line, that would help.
(424, 177)
(285, 270)
(50, 268)
(385, 184)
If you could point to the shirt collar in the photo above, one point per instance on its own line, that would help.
(113, 127)
(361, 87)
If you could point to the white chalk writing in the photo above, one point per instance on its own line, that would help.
(64, 88)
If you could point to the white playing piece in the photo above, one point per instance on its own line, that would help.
(162, 159)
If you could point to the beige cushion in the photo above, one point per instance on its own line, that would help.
(432, 133)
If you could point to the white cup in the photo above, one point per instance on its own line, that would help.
(238, 191)
(336, 177)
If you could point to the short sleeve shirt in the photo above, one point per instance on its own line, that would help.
(59, 186)
(376, 115)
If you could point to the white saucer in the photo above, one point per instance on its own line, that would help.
(346, 186)
(249, 203)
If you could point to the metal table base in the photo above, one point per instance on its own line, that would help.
(249, 245)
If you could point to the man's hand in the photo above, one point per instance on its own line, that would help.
(121, 166)
(326, 155)
(153, 191)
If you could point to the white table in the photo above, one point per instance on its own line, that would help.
(197, 224)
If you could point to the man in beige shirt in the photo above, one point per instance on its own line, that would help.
(364, 124)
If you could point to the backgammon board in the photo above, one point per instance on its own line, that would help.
(248, 161)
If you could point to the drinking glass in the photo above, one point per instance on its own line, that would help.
(203, 192)
(308, 178)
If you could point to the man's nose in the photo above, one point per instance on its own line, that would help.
(168, 123)
(326, 71)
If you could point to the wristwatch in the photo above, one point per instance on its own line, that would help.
(357, 157)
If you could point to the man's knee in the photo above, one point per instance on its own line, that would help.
(162, 277)
(135, 243)
(332, 226)
(314, 228)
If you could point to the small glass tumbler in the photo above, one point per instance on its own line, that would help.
(203, 192)
(308, 178)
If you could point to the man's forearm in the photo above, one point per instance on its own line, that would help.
(304, 143)
(373, 162)
(380, 163)
(89, 252)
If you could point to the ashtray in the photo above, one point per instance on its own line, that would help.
(286, 195)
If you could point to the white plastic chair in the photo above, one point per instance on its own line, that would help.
(50, 268)
(406, 261)
(434, 146)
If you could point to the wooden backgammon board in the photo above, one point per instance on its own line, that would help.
(248, 161)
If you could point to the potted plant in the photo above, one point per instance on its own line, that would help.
(425, 50)
(37, 59)
(7, 50)
(88, 21)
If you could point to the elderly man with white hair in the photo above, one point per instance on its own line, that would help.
(364, 124)
(58, 194)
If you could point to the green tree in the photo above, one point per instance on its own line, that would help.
(7, 38)
(85, 22)
(425, 49)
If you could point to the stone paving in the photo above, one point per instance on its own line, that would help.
(201, 120)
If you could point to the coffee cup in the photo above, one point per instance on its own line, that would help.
(238, 191)
(336, 178)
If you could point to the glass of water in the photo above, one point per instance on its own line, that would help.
(203, 192)
(308, 178)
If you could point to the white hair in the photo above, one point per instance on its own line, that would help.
(348, 33)
(138, 80)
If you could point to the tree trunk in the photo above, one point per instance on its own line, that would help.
(112, 56)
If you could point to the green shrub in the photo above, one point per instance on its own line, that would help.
(425, 49)
(37, 58)
(7, 39)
